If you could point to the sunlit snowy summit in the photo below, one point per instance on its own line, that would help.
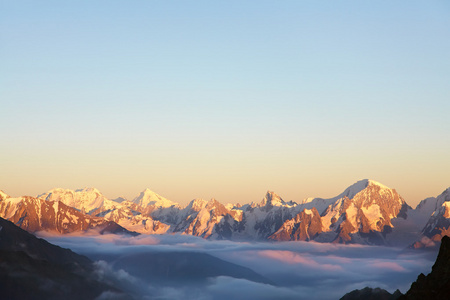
(367, 212)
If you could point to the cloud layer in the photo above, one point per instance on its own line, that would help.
(296, 269)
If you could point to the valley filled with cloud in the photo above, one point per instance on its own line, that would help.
(188, 267)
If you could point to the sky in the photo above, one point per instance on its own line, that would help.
(224, 99)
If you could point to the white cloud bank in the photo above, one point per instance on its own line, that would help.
(296, 270)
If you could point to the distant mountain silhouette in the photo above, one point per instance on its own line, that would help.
(368, 293)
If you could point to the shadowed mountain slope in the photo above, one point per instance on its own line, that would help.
(435, 285)
(32, 268)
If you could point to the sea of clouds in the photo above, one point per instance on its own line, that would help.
(296, 270)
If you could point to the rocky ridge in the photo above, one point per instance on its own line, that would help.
(35, 214)
(435, 285)
(367, 212)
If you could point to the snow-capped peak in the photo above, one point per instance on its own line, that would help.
(355, 188)
(445, 192)
(87, 199)
(148, 197)
(373, 182)
(197, 204)
(3, 195)
(359, 186)
(88, 190)
(443, 197)
(271, 198)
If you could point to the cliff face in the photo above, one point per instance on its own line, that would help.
(438, 224)
(367, 213)
(362, 214)
(35, 214)
(304, 227)
(435, 285)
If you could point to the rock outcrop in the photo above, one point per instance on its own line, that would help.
(435, 285)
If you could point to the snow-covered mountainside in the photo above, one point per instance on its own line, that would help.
(35, 214)
(366, 212)
(3, 195)
(86, 200)
(305, 226)
(361, 214)
(150, 199)
(127, 214)
(438, 225)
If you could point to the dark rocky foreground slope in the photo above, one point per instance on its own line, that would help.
(32, 268)
(435, 286)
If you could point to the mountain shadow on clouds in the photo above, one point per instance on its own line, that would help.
(183, 268)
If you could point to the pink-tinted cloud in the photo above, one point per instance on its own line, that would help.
(143, 240)
(299, 270)
(388, 265)
(290, 257)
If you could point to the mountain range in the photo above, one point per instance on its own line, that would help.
(366, 212)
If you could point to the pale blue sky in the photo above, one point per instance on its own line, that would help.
(225, 99)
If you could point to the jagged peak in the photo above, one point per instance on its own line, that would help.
(86, 190)
(148, 197)
(355, 188)
(148, 191)
(350, 191)
(359, 186)
(197, 204)
(271, 198)
(444, 197)
(3, 195)
(272, 194)
(445, 192)
(198, 200)
(213, 203)
(58, 190)
(435, 202)
(213, 200)
(230, 206)
(425, 202)
(373, 182)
